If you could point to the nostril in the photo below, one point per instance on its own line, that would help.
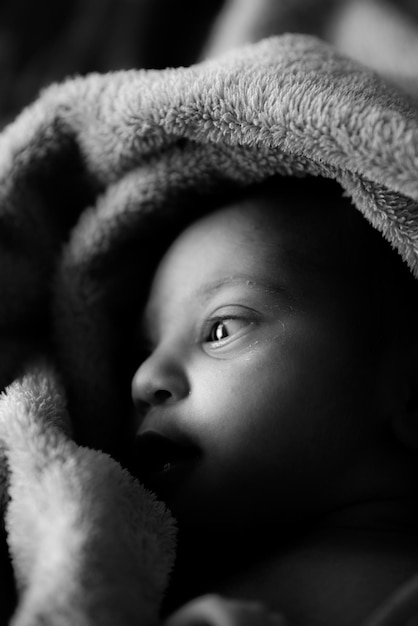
(161, 396)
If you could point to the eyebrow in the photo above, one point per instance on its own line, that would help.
(206, 291)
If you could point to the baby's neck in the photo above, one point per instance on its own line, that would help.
(334, 573)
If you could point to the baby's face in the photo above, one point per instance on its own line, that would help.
(258, 398)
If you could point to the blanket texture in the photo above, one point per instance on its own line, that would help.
(95, 178)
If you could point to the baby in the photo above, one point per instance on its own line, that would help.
(276, 407)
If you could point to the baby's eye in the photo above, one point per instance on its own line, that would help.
(220, 330)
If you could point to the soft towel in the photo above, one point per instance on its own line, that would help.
(95, 178)
(67, 504)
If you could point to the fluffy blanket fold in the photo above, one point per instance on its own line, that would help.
(88, 544)
(95, 177)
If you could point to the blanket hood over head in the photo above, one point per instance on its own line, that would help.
(102, 162)
(98, 173)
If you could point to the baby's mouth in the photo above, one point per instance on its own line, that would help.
(161, 460)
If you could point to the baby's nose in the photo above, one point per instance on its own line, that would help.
(160, 379)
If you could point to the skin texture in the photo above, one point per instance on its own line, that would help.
(272, 351)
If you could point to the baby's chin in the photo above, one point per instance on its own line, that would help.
(194, 502)
(190, 482)
(199, 507)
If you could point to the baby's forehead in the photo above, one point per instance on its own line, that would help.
(297, 230)
(326, 236)
(267, 229)
(317, 225)
(261, 239)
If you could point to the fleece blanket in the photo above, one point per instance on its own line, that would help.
(96, 176)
